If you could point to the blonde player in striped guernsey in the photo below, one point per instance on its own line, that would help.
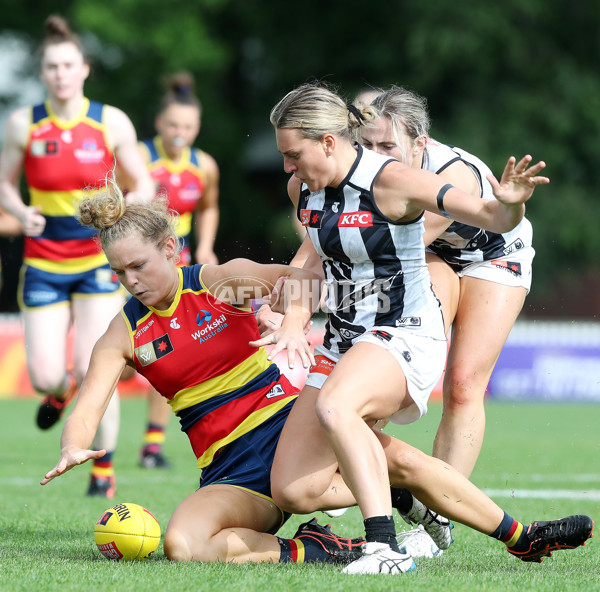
(65, 145)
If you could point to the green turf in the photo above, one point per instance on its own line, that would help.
(46, 533)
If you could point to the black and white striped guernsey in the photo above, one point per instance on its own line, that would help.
(374, 268)
(461, 244)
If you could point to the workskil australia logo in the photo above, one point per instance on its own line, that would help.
(207, 326)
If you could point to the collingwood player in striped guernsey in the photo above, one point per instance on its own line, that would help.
(480, 277)
(384, 348)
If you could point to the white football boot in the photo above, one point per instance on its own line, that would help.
(436, 526)
(379, 558)
(417, 543)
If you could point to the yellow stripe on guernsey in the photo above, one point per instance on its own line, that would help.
(228, 382)
(59, 203)
(252, 421)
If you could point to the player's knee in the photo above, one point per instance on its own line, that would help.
(47, 382)
(405, 467)
(329, 413)
(176, 546)
(292, 499)
(462, 388)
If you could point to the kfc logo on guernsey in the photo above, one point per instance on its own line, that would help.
(311, 218)
(355, 220)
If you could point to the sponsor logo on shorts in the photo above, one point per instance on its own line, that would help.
(383, 335)
(155, 350)
(513, 267)
(40, 297)
(516, 245)
(406, 355)
(355, 220)
(276, 391)
(106, 279)
(323, 365)
(311, 218)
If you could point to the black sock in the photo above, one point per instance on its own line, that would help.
(402, 500)
(381, 529)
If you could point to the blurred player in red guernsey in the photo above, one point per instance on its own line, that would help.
(189, 178)
(65, 145)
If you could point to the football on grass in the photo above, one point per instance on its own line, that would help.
(127, 532)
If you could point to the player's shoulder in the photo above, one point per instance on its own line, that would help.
(18, 124)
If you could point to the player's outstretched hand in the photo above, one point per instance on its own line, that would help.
(518, 180)
(69, 458)
(291, 339)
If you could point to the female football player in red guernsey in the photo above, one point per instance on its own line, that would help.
(192, 333)
(189, 178)
(65, 145)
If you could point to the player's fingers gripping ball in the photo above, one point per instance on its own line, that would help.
(127, 532)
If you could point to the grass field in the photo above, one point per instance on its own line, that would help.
(539, 462)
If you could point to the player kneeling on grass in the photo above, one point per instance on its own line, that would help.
(191, 332)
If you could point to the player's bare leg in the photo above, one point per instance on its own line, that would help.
(91, 317)
(469, 367)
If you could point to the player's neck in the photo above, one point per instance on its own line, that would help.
(68, 109)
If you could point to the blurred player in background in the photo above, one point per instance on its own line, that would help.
(189, 178)
(65, 145)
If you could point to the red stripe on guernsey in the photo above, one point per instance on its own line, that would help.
(355, 219)
(43, 248)
(510, 532)
(218, 424)
(293, 551)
